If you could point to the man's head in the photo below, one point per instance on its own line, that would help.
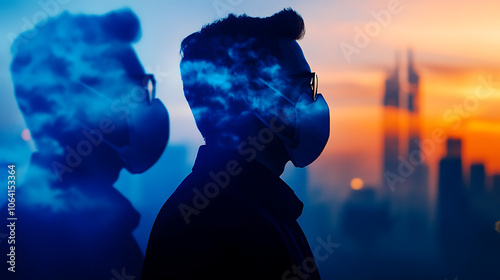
(78, 81)
(241, 69)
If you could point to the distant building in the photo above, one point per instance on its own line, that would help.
(413, 106)
(391, 124)
(451, 204)
(418, 181)
(365, 218)
(450, 181)
(410, 190)
(477, 178)
(496, 184)
(466, 232)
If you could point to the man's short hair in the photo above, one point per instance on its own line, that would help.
(221, 65)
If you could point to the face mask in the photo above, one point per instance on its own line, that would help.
(148, 136)
(148, 126)
(312, 129)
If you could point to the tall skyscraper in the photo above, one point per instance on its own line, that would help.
(409, 172)
(418, 182)
(391, 125)
(451, 204)
(413, 104)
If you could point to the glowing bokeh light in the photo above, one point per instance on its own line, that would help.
(357, 184)
(26, 135)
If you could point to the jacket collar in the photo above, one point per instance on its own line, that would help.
(260, 182)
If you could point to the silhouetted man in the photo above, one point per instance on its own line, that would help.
(255, 102)
(91, 111)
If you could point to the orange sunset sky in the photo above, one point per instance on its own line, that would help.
(454, 43)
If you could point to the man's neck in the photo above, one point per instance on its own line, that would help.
(272, 163)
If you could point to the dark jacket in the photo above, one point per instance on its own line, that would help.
(229, 219)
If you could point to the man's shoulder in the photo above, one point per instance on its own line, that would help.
(200, 202)
(222, 226)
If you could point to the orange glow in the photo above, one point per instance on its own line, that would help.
(454, 51)
(357, 184)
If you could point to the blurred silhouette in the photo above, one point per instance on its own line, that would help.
(397, 237)
(478, 178)
(365, 219)
(451, 204)
(469, 242)
(417, 183)
(411, 193)
(255, 102)
(391, 127)
(91, 110)
(496, 185)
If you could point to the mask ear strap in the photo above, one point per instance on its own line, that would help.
(291, 142)
(94, 91)
(288, 141)
(277, 91)
(266, 123)
(119, 150)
